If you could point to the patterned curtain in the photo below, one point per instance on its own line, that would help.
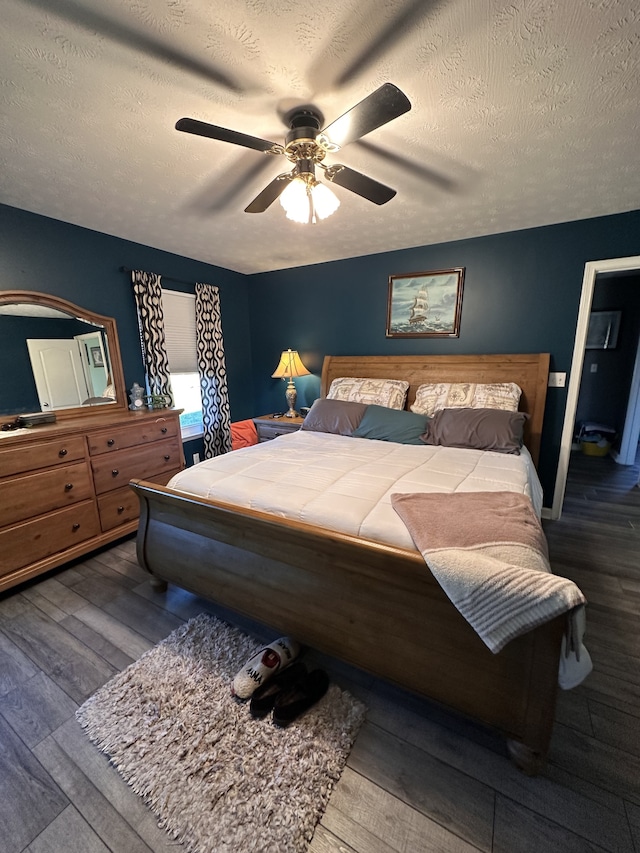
(148, 294)
(216, 414)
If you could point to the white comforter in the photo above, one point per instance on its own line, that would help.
(345, 483)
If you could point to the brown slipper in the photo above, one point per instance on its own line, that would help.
(265, 696)
(304, 693)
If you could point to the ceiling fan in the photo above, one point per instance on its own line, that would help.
(306, 146)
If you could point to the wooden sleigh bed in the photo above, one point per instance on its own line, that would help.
(372, 605)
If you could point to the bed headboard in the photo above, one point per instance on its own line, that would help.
(529, 371)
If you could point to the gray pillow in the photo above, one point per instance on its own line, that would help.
(339, 417)
(478, 429)
(386, 424)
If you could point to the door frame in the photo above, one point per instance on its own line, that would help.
(591, 270)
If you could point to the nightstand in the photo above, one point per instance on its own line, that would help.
(269, 427)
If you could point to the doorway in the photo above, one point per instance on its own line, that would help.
(591, 270)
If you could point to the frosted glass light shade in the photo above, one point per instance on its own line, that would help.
(296, 202)
(303, 203)
(325, 201)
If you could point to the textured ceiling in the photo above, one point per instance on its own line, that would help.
(524, 113)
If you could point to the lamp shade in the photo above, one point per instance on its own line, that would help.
(289, 365)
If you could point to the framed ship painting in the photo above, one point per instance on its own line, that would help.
(425, 304)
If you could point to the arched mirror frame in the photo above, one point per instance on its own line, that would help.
(32, 297)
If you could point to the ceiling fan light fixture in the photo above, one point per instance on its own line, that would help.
(325, 201)
(305, 201)
(295, 200)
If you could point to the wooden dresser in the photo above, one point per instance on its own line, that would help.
(64, 487)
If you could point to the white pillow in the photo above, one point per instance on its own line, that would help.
(466, 395)
(391, 393)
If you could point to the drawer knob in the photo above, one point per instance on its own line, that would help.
(68, 487)
(164, 429)
(76, 526)
(111, 442)
(115, 472)
(120, 510)
(166, 457)
(62, 452)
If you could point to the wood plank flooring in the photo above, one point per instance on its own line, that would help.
(418, 778)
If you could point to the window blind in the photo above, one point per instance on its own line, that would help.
(180, 331)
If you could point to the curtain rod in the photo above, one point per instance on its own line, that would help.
(164, 277)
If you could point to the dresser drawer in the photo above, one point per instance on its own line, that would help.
(118, 507)
(22, 498)
(29, 457)
(119, 438)
(122, 505)
(41, 537)
(114, 470)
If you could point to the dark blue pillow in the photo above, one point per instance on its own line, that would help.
(385, 424)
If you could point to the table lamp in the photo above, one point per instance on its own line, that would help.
(289, 366)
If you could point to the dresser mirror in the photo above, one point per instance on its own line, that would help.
(57, 357)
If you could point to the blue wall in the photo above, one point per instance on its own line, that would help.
(521, 294)
(82, 266)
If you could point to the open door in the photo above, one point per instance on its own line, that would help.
(591, 270)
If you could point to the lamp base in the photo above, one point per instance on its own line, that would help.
(291, 396)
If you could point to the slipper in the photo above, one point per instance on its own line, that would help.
(293, 702)
(263, 665)
(264, 697)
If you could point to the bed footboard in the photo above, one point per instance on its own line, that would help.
(343, 595)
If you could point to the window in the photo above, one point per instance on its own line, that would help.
(180, 338)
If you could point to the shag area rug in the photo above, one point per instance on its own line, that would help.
(218, 780)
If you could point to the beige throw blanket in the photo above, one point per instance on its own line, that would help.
(489, 553)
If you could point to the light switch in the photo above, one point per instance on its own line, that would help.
(557, 380)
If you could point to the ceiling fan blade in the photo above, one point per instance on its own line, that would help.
(417, 170)
(360, 184)
(201, 128)
(381, 106)
(96, 21)
(269, 194)
(240, 178)
(369, 39)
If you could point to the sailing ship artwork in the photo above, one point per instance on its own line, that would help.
(419, 311)
(425, 304)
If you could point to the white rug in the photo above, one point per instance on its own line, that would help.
(219, 781)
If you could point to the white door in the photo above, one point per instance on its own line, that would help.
(58, 373)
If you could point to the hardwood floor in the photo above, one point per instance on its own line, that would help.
(418, 779)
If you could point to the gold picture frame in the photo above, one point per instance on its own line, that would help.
(425, 304)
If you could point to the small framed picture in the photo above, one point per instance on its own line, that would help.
(425, 304)
(96, 357)
(603, 329)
